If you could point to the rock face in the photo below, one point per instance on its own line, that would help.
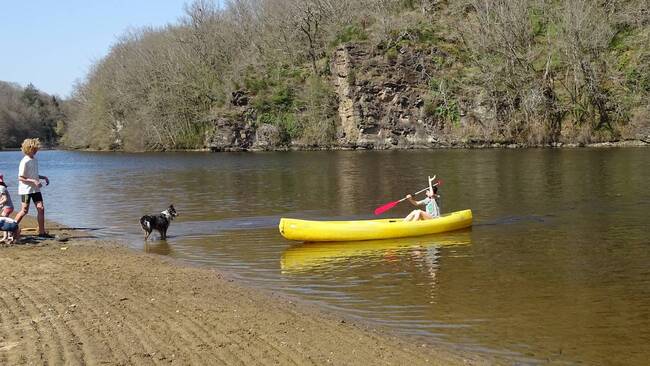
(228, 134)
(267, 137)
(231, 134)
(239, 98)
(343, 79)
(386, 100)
(381, 103)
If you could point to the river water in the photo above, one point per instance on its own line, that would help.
(555, 269)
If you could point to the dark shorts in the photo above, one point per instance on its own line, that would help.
(8, 226)
(36, 197)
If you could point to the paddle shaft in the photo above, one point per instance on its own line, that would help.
(388, 206)
(420, 191)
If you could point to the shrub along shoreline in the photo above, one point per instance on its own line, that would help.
(458, 145)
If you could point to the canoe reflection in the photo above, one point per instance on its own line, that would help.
(307, 256)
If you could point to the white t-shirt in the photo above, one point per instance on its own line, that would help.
(29, 169)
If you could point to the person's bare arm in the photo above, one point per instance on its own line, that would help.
(413, 202)
(26, 180)
(3, 199)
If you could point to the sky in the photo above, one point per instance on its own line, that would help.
(53, 43)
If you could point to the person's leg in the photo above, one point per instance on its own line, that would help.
(410, 216)
(40, 215)
(17, 234)
(24, 207)
(416, 215)
(425, 216)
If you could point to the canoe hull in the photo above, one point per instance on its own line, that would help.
(306, 230)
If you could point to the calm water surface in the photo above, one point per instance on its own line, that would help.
(555, 269)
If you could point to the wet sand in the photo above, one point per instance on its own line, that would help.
(87, 301)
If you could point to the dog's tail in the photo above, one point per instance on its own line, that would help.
(145, 223)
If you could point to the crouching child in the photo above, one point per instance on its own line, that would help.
(10, 230)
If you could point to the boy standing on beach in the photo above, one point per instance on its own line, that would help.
(29, 185)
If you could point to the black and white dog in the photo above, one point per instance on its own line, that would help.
(158, 222)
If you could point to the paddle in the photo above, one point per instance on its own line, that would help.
(383, 208)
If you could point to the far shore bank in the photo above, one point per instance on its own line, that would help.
(76, 299)
(370, 147)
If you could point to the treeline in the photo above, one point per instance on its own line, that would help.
(537, 71)
(158, 87)
(28, 113)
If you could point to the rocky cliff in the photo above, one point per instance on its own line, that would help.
(381, 100)
(381, 105)
(384, 101)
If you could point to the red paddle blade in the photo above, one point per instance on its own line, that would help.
(381, 209)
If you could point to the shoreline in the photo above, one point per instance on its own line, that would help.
(450, 146)
(477, 145)
(83, 300)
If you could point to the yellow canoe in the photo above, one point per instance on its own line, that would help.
(306, 230)
(310, 255)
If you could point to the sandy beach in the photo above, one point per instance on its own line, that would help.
(79, 300)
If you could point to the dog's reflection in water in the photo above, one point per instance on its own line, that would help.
(159, 247)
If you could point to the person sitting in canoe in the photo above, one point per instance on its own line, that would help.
(431, 204)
